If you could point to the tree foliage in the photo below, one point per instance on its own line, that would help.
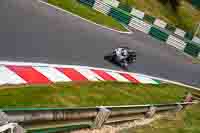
(174, 3)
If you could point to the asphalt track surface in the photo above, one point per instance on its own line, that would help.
(33, 32)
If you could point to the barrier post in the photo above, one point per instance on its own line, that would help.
(101, 117)
(3, 118)
(151, 112)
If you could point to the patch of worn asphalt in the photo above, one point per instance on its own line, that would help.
(33, 32)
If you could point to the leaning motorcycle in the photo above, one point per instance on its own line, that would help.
(124, 63)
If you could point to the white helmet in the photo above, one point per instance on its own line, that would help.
(124, 52)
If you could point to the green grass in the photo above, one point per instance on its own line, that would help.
(88, 94)
(186, 122)
(186, 16)
(88, 13)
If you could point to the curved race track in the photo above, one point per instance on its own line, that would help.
(31, 31)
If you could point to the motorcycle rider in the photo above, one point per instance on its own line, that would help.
(122, 55)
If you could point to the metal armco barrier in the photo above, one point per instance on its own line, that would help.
(118, 113)
(60, 129)
(79, 118)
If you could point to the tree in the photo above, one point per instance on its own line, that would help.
(174, 3)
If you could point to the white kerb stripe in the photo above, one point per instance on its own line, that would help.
(9, 77)
(144, 79)
(137, 13)
(52, 74)
(115, 3)
(180, 32)
(118, 77)
(90, 75)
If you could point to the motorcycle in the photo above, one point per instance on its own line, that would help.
(124, 63)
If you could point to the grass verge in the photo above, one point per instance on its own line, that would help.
(88, 94)
(88, 13)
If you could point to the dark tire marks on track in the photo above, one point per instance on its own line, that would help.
(31, 31)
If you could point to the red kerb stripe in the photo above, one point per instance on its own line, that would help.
(129, 77)
(72, 74)
(29, 74)
(104, 75)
